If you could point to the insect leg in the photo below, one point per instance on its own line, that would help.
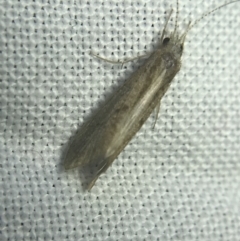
(158, 106)
(156, 114)
(122, 62)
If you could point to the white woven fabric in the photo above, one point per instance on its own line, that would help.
(180, 181)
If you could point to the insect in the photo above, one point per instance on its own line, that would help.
(104, 136)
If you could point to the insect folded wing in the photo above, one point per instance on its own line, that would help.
(88, 145)
(82, 150)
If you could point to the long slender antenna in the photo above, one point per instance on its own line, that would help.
(176, 18)
(207, 14)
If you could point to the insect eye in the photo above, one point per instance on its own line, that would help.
(166, 40)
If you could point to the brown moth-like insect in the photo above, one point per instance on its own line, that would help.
(104, 136)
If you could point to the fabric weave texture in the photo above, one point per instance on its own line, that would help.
(178, 181)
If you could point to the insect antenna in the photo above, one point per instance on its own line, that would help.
(205, 15)
(176, 18)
